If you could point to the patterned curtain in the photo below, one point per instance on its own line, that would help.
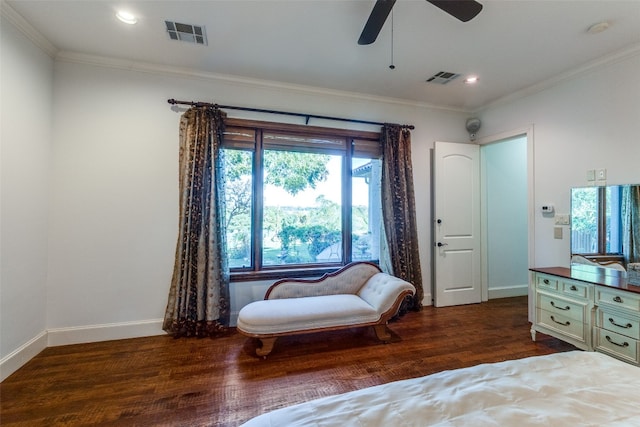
(198, 302)
(631, 223)
(398, 210)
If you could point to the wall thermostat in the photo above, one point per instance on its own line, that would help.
(547, 208)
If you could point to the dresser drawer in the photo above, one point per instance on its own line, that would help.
(563, 324)
(617, 345)
(576, 290)
(619, 299)
(558, 305)
(617, 322)
(546, 282)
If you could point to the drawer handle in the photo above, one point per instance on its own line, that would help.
(560, 308)
(545, 281)
(567, 323)
(573, 288)
(617, 299)
(627, 326)
(625, 344)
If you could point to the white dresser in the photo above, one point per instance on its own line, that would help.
(590, 307)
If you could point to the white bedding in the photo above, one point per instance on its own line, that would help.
(565, 390)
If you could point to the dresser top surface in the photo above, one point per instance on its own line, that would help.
(592, 274)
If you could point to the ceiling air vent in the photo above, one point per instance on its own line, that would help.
(442, 78)
(186, 32)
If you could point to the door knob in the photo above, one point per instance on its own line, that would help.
(440, 244)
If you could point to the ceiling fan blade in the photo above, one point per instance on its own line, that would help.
(376, 20)
(464, 10)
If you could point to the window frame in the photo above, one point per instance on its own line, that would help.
(356, 143)
(602, 255)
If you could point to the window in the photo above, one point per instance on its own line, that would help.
(596, 220)
(299, 197)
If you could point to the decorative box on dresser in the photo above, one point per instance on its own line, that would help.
(593, 308)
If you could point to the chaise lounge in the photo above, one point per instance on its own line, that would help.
(357, 295)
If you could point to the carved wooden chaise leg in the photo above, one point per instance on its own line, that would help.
(382, 332)
(267, 346)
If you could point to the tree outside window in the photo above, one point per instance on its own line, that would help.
(596, 220)
(298, 201)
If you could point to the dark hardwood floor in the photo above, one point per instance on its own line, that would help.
(219, 382)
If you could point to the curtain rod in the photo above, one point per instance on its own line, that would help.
(285, 113)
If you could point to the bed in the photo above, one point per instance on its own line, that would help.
(565, 389)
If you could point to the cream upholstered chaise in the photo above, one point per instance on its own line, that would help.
(359, 294)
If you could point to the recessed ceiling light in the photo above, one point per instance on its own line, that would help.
(598, 28)
(471, 80)
(126, 17)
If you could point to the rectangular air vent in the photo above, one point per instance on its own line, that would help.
(186, 32)
(442, 78)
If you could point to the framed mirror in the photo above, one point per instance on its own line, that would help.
(605, 223)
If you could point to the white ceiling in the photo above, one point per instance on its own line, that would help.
(510, 45)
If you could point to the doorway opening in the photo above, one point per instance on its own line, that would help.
(504, 217)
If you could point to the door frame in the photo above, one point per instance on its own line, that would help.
(527, 132)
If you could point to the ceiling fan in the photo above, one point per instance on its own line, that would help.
(464, 10)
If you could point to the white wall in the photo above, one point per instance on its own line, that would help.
(114, 205)
(587, 122)
(115, 201)
(25, 122)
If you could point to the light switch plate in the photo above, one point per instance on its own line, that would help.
(563, 219)
(591, 175)
(601, 174)
(557, 232)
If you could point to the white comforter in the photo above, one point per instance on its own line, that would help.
(565, 390)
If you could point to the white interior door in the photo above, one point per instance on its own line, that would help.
(457, 278)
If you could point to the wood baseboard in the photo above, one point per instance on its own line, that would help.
(104, 332)
(77, 335)
(508, 292)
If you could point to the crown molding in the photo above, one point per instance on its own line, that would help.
(7, 12)
(27, 29)
(144, 67)
(123, 64)
(612, 58)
